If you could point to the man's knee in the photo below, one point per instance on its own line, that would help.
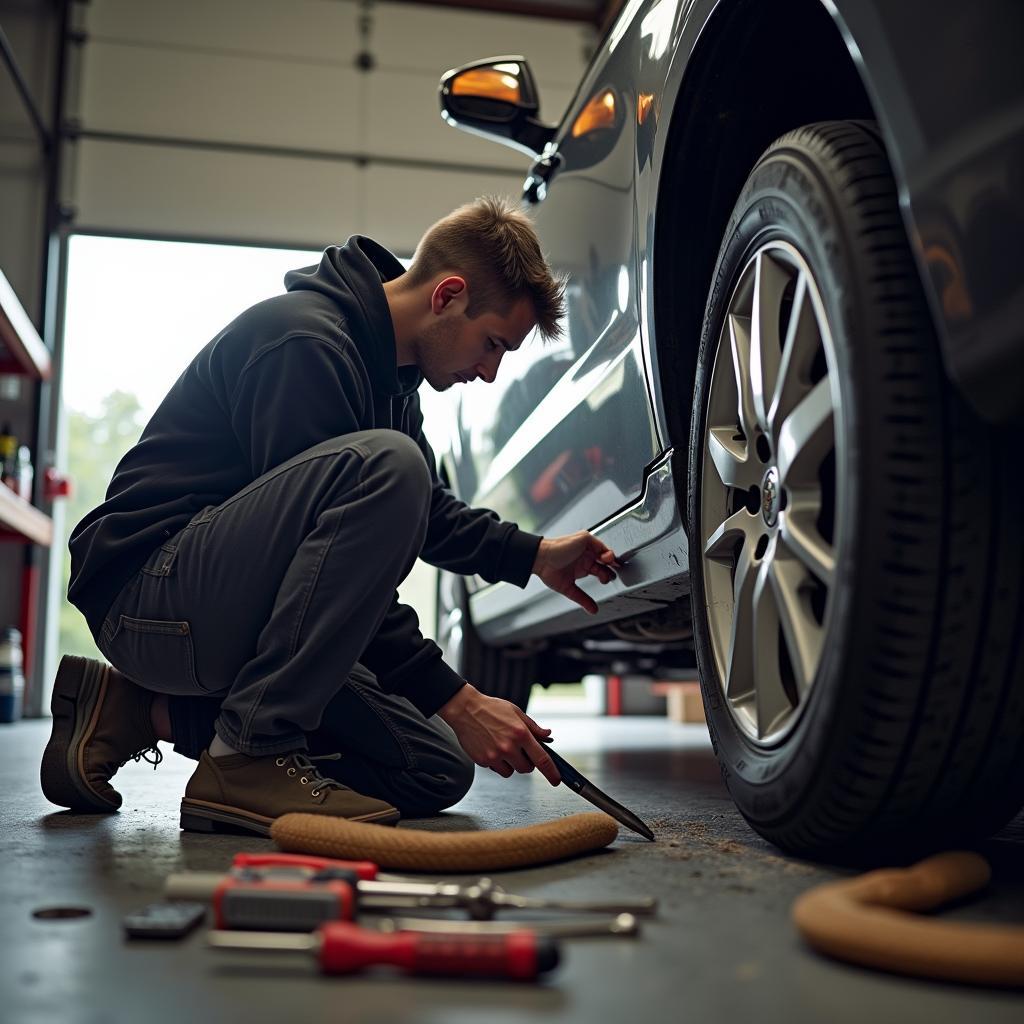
(459, 778)
(397, 465)
(444, 786)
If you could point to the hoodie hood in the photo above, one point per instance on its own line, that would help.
(352, 277)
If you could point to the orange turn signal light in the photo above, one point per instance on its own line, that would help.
(597, 114)
(644, 103)
(487, 83)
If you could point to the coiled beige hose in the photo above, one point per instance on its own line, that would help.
(414, 850)
(870, 920)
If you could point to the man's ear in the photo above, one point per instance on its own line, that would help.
(450, 294)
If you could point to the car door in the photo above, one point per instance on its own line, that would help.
(560, 441)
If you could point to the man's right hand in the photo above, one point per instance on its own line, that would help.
(497, 735)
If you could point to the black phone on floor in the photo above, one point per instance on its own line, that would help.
(167, 920)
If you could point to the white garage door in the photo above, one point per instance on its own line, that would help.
(248, 119)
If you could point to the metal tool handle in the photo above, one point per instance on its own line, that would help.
(621, 925)
(192, 885)
(643, 905)
(411, 896)
(482, 899)
(572, 778)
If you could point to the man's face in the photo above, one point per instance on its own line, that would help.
(454, 349)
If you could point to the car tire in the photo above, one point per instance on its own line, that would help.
(492, 670)
(879, 595)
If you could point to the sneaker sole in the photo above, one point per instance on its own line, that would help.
(78, 693)
(200, 816)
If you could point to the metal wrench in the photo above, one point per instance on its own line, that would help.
(481, 900)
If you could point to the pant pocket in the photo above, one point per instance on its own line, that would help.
(155, 653)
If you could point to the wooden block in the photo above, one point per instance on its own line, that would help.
(683, 700)
(693, 707)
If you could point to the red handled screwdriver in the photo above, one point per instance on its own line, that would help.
(345, 948)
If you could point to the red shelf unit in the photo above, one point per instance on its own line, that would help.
(22, 352)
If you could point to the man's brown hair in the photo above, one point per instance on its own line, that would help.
(493, 245)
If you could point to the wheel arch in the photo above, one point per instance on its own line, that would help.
(794, 60)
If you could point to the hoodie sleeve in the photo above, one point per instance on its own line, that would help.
(470, 540)
(314, 386)
(408, 664)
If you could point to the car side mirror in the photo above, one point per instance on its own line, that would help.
(496, 98)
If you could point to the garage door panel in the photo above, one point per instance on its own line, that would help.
(263, 102)
(281, 73)
(399, 215)
(432, 40)
(166, 191)
(205, 96)
(406, 37)
(300, 29)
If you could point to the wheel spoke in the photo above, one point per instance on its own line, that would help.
(803, 339)
(739, 341)
(801, 632)
(721, 545)
(731, 458)
(771, 702)
(806, 437)
(739, 674)
(770, 280)
(801, 538)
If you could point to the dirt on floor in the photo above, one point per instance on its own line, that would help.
(741, 864)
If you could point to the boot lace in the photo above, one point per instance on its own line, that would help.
(301, 763)
(143, 755)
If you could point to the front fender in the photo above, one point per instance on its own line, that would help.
(945, 83)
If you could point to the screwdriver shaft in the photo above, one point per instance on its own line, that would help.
(644, 905)
(266, 942)
(622, 924)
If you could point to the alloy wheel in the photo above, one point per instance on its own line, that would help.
(771, 490)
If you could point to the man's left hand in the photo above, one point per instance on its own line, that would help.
(561, 561)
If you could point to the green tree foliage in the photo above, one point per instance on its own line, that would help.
(96, 444)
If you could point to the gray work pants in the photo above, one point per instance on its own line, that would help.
(253, 617)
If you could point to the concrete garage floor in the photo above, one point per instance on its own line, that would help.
(722, 947)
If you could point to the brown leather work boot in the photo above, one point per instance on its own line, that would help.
(100, 722)
(242, 792)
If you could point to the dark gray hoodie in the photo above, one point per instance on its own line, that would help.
(293, 371)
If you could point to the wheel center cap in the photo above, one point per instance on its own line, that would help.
(770, 496)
